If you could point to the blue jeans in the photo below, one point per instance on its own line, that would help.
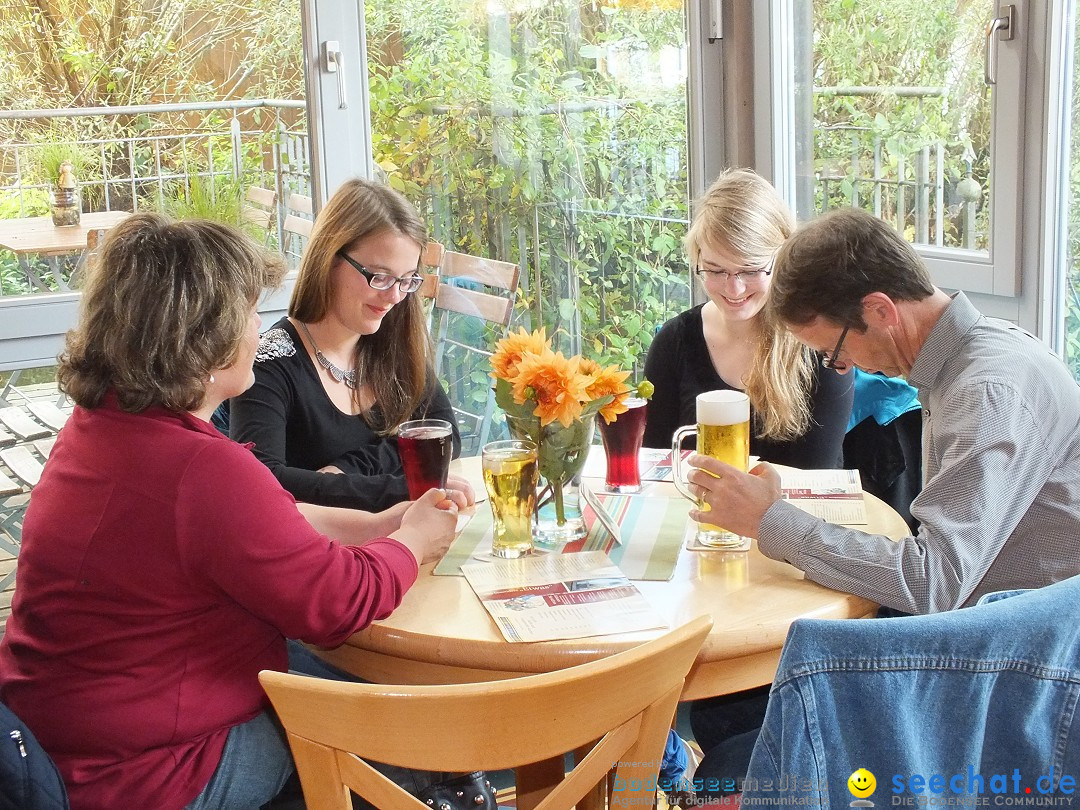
(983, 700)
(256, 765)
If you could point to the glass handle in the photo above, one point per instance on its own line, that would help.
(677, 476)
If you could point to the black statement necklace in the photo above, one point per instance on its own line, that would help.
(339, 374)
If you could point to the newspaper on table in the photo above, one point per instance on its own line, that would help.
(835, 496)
(558, 596)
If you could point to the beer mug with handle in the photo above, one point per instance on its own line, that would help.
(723, 433)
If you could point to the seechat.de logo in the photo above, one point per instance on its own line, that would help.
(861, 784)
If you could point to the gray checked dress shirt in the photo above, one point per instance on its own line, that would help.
(1000, 507)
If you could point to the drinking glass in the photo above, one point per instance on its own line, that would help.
(723, 433)
(622, 444)
(510, 474)
(425, 447)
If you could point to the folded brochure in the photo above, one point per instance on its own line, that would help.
(835, 496)
(560, 596)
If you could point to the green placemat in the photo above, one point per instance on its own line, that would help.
(652, 528)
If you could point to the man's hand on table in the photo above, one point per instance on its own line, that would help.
(737, 500)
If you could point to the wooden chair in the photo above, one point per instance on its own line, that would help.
(473, 304)
(614, 713)
(260, 208)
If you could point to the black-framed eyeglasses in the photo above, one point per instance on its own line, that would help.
(830, 357)
(384, 281)
(747, 277)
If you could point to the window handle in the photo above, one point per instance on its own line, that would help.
(332, 63)
(1005, 27)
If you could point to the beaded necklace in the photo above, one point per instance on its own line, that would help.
(339, 374)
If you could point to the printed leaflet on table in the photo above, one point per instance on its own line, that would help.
(558, 596)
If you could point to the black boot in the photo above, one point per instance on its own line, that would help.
(469, 792)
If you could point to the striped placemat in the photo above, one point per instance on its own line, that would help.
(652, 528)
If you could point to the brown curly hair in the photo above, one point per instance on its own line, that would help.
(164, 304)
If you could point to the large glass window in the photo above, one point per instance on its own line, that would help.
(912, 110)
(551, 133)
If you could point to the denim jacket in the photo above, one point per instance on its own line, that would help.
(973, 707)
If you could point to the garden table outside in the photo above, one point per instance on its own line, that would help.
(37, 236)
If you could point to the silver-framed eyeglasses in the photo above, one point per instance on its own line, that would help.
(747, 277)
(830, 357)
(384, 281)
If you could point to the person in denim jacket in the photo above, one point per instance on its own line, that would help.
(979, 703)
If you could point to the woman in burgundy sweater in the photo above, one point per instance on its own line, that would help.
(162, 564)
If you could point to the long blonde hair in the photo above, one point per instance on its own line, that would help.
(742, 214)
(394, 361)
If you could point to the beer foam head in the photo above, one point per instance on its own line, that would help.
(723, 408)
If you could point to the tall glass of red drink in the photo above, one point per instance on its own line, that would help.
(425, 447)
(622, 442)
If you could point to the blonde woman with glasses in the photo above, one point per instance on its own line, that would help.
(800, 407)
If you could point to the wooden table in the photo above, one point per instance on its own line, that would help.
(442, 634)
(37, 236)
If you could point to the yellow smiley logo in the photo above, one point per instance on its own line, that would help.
(861, 783)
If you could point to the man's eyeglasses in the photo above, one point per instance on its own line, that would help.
(747, 277)
(830, 357)
(384, 281)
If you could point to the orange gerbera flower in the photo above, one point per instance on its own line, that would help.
(510, 350)
(609, 381)
(555, 383)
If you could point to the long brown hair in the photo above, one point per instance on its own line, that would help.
(394, 362)
(165, 303)
(743, 214)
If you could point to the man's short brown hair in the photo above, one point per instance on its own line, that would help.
(165, 303)
(829, 265)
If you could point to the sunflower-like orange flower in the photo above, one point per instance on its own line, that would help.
(510, 350)
(555, 383)
(608, 381)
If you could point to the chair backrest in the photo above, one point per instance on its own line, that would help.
(295, 233)
(474, 302)
(620, 708)
(431, 259)
(260, 208)
(300, 203)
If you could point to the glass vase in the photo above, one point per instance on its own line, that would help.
(561, 455)
(65, 205)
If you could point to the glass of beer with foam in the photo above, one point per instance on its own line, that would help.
(723, 433)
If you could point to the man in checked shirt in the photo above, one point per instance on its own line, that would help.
(1000, 507)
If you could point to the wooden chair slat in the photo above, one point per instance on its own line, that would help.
(44, 446)
(48, 414)
(19, 422)
(8, 487)
(20, 461)
(265, 197)
(301, 203)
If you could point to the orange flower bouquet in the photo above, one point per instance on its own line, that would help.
(552, 400)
